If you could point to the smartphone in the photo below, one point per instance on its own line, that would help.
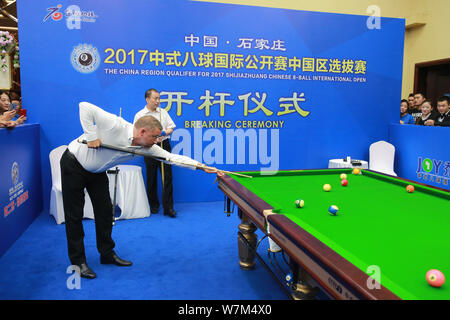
(23, 112)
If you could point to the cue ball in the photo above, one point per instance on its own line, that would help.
(435, 278)
(333, 210)
(356, 171)
(299, 203)
(343, 176)
(344, 182)
(326, 187)
(410, 188)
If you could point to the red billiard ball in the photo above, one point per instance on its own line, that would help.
(435, 278)
(410, 188)
(344, 182)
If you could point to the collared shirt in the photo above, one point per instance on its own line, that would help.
(112, 130)
(443, 118)
(160, 114)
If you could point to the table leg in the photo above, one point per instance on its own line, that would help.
(227, 206)
(247, 229)
(302, 290)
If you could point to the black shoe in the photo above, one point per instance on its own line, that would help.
(86, 272)
(170, 212)
(114, 259)
(154, 210)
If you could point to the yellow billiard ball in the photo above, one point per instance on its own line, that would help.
(356, 171)
(326, 187)
(343, 176)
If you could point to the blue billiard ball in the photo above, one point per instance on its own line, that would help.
(333, 210)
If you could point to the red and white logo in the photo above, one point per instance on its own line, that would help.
(54, 13)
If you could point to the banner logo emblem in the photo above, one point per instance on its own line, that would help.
(15, 173)
(54, 13)
(85, 58)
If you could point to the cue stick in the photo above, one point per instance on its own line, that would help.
(115, 182)
(146, 154)
(162, 164)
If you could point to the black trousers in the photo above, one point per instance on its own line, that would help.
(153, 166)
(74, 180)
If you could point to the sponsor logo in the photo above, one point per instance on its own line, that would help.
(85, 58)
(15, 173)
(17, 196)
(433, 170)
(74, 16)
(54, 13)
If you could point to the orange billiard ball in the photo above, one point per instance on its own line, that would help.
(410, 188)
(356, 171)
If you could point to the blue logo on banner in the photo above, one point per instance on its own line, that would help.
(85, 58)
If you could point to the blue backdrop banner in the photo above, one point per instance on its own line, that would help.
(425, 158)
(249, 88)
(20, 187)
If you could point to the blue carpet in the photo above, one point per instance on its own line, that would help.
(191, 257)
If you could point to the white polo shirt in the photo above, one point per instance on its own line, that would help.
(160, 114)
(112, 130)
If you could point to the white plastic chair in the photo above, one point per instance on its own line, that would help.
(56, 201)
(381, 157)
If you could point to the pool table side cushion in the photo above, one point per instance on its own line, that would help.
(338, 267)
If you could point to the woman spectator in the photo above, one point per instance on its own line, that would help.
(426, 114)
(8, 118)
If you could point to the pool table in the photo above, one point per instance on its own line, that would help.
(380, 244)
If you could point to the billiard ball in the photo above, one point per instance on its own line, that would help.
(289, 278)
(299, 203)
(333, 210)
(410, 188)
(326, 187)
(344, 182)
(343, 176)
(435, 278)
(356, 171)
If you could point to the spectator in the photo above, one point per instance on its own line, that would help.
(427, 118)
(8, 117)
(416, 112)
(405, 117)
(16, 103)
(152, 108)
(443, 108)
(411, 101)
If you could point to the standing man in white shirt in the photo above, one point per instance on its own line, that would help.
(84, 166)
(152, 108)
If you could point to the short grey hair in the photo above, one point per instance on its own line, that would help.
(148, 122)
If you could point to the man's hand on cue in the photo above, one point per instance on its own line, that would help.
(94, 144)
(210, 170)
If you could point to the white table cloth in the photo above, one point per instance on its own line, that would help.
(131, 195)
(340, 163)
